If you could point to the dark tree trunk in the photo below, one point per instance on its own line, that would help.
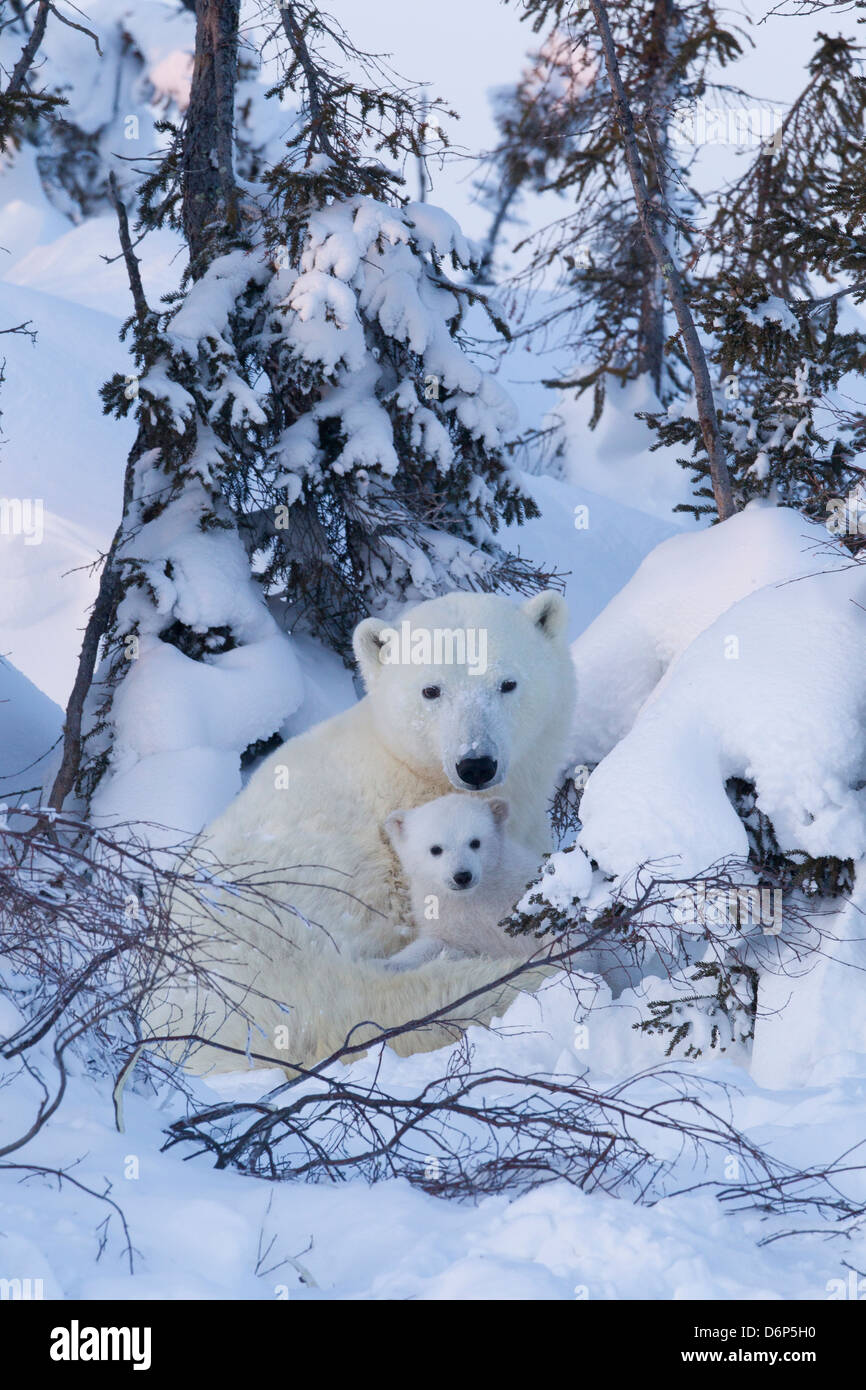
(651, 323)
(209, 193)
(209, 207)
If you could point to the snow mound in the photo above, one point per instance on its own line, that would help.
(774, 691)
(81, 265)
(181, 724)
(30, 725)
(593, 543)
(616, 458)
(681, 588)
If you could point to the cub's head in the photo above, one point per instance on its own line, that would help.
(454, 842)
(468, 683)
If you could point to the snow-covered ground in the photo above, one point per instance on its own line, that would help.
(199, 1233)
(700, 655)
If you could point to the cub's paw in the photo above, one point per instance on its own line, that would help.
(417, 953)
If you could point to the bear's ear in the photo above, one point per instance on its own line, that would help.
(499, 809)
(395, 826)
(368, 643)
(549, 611)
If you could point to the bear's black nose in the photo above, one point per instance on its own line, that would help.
(463, 878)
(476, 772)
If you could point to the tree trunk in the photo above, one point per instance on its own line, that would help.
(209, 204)
(209, 193)
(651, 223)
(651, 321)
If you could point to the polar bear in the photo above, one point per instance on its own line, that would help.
(468, 692)
(464, 875)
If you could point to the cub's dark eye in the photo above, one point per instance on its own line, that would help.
(431, 692)
(507, 686)
(474, 844)
(435, 849)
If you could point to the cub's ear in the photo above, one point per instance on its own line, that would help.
(499, 810)
(395, 826)
(548, 611)
(368, 643)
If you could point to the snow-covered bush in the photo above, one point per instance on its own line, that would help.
(113, 84)
(721, 709)
(131, 68)
(770, 692)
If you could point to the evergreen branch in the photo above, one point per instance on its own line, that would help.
(29, 51)
(814, 305)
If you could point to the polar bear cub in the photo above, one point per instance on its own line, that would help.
(464, 876)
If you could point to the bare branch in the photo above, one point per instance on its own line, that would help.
(649, 212)
(71, 24)
(132, 262)
(295, 35)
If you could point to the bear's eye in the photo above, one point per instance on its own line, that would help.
(474, 844)
(431, 692)
(507, 686)
(435, 849)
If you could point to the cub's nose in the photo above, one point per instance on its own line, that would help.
(476, 772)
(463, 878)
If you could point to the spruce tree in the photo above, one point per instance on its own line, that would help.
(312, 427)
(559, 133)
(791, 221)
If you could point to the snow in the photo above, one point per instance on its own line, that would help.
(812, 1028)
(617, 459)
(681, 588)
(568, 876)
(758, 695)
(30, 725)
(184, 725)
(197, 1231)
(736, 651)
(592, 542)
(71, 457)
(181, 724)
(700, 654)
(71, 266)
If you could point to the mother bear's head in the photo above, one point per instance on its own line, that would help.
(469, 684)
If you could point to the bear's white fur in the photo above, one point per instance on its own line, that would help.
(464, 876)
(313, 813)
